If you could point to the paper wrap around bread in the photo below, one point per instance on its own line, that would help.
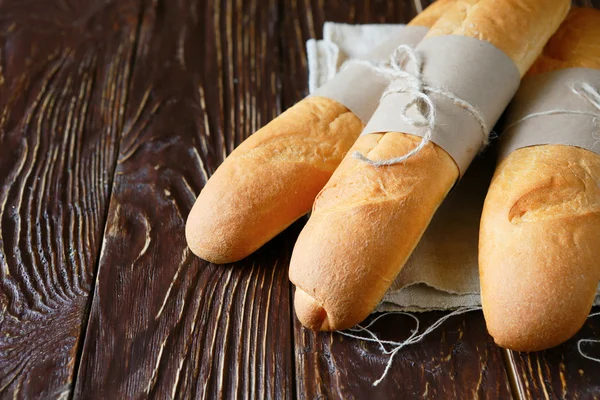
(367, 220)
(539, 249)
(273, 177)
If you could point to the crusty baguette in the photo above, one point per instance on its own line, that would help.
(273, 177)
(539, 255)
(431, 14)
(367, 220)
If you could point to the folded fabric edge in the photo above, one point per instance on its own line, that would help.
(313, 65)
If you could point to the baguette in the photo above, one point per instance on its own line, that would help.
(273, 177)
(538, 247)
(367, 220)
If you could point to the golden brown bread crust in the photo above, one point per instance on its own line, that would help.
(429, 16)
(575, 44)
(367, 220)
(365, 223)
(517, 27)
(272, 178)
(538, 248)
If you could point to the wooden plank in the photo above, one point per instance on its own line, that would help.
(458, 360)
(64, 72)
(163, 323)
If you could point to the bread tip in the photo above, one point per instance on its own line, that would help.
(532, 335)
(310, 313)
(515, 342)
(205, 249)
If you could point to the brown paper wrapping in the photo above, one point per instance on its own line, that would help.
(358, 87)
(552, 91)
(473, 70)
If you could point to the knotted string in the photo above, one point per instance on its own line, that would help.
(583, 90)
(414, 337)
(405, 71)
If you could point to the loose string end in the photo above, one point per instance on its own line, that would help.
(414, 337)
(580, 342)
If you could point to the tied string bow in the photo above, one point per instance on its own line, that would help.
(581, 89)
(404, 70)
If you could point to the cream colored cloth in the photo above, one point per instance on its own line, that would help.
(340, 43)
(442, 272)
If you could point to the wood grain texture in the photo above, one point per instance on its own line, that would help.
(561, 372)
(457, 361)
(165, 324)
(64, 71)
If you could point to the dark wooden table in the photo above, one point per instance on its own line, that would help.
(113, 113)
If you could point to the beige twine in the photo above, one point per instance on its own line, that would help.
(583, 90)
(588, 341)
(405, 71)
(414, 337)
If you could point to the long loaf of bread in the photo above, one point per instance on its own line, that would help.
(539, 249)
(367, 220)
(273, 177)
